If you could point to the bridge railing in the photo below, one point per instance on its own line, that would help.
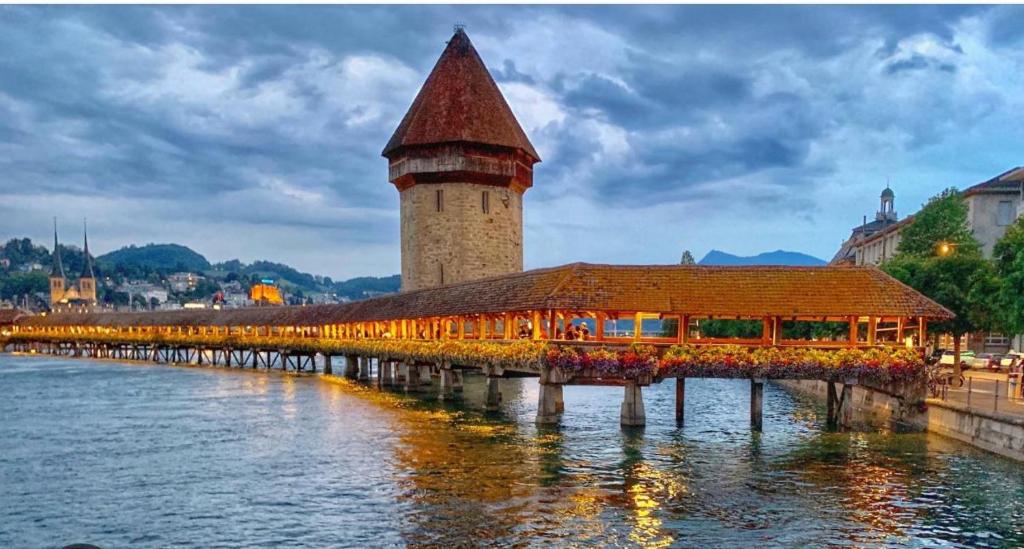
(579, 359)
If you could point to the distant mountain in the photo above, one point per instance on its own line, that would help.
(169, 257)
(368, 286)
(778, 257)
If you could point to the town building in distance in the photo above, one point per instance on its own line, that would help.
(80, 296)
(992, 206)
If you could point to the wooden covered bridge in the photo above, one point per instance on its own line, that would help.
(644, 323)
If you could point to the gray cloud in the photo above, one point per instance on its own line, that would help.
(255, 131)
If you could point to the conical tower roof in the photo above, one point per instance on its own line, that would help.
(87, 271)
(58, 266)
(460, 102)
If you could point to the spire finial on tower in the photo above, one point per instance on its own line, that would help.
(87, 271)
(57, 268)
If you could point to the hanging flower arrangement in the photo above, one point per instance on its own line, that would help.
(723, 361)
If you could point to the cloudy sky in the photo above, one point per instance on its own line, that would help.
(256, 132)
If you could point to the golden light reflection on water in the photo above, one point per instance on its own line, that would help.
(289, 408)
(873, 491)
(476, 480)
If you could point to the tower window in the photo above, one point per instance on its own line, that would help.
(485, 202)
(440, 273)
(440, 200)
(1004, 213)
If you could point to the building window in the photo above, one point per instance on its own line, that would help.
(485, 202)
(1004, 214)
(440, 273)
(993, 339)
(440, 200)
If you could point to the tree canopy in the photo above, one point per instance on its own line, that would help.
(943, 220)
(1008, 254)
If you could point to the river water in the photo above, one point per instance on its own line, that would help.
(130, 455)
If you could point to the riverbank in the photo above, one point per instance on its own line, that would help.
(997, 432)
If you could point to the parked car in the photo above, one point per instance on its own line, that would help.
(935, 356)
(966, 358)
(986, 361)
(1012, 361)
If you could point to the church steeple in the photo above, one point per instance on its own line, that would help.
(57, 278)
(87, 282)
(87, 271)
(57, 268)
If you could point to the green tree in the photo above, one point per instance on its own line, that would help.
(725, 328)
(1008, 255)
(19, 284)
(939, 257)
(940, 228)
(687, 258)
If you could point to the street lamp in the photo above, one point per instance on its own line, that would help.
(945, 248)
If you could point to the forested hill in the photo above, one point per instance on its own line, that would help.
(158, 257)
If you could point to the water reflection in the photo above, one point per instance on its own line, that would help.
(202, 457)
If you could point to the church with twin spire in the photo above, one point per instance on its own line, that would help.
(79, 296)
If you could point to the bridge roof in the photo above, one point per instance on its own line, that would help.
(9, 316)
(832, 291)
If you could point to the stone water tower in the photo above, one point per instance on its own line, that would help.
(461, 164)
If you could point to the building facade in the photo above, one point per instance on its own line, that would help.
(461, 163)
(80, 296)
(855, 250)
(992, 206)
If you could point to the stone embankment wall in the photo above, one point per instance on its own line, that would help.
(885, 407)
(999, 433)
(996, 432)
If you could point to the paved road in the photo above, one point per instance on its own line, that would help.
(979, 391)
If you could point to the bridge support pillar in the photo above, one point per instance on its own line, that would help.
(351, 367)
(632, 411)
(328, 370)
(447, 385)
(756, 404)
(493, 402)
(425, 375)
(364, 368)
(680, 399)
(846, 404)
(387, 373)
(401, 373)
(550, 405)
(831, 407)
(412, 378)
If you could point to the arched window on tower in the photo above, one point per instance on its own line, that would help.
(439, 198)
(485, 202)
